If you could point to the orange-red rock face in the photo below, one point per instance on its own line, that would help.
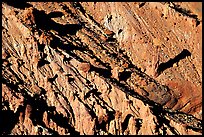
(99, 68)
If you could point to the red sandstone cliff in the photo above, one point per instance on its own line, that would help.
(101, 68)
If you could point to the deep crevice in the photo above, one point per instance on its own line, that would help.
(163, 66)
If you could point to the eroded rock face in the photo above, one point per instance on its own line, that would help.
(101, 68)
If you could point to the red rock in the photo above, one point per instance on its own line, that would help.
(143, 29)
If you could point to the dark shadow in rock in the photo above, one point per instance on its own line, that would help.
(42, 92)
(129, 91)
(102, 126)
(16, 4)
(142, 4)
(185, 12)
(41, 47)
(119, 31)
(77, 5)
(125, 122)
(104, 120)
(52, 79)
(8, 119)
(100, 101)
(111, 115)
(70, 110)
(66, 9)
(90, 111)
(123, 76)
(168, 64)
(43, 55)
(110, 39)
(70, 79)
(98, 125)
(161, 120)
(138, 124)
(39, 106)
(44, 22)
(194, 129)
(106, 73)
(93, 91)
(62, 121)
(68, 48)
(55, 14)
(42, 62)
(6, 64)
(66, 59)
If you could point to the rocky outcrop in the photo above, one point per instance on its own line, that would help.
(101, 68)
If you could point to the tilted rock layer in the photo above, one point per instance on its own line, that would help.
(100, 68)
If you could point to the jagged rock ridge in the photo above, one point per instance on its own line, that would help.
(101, 68)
